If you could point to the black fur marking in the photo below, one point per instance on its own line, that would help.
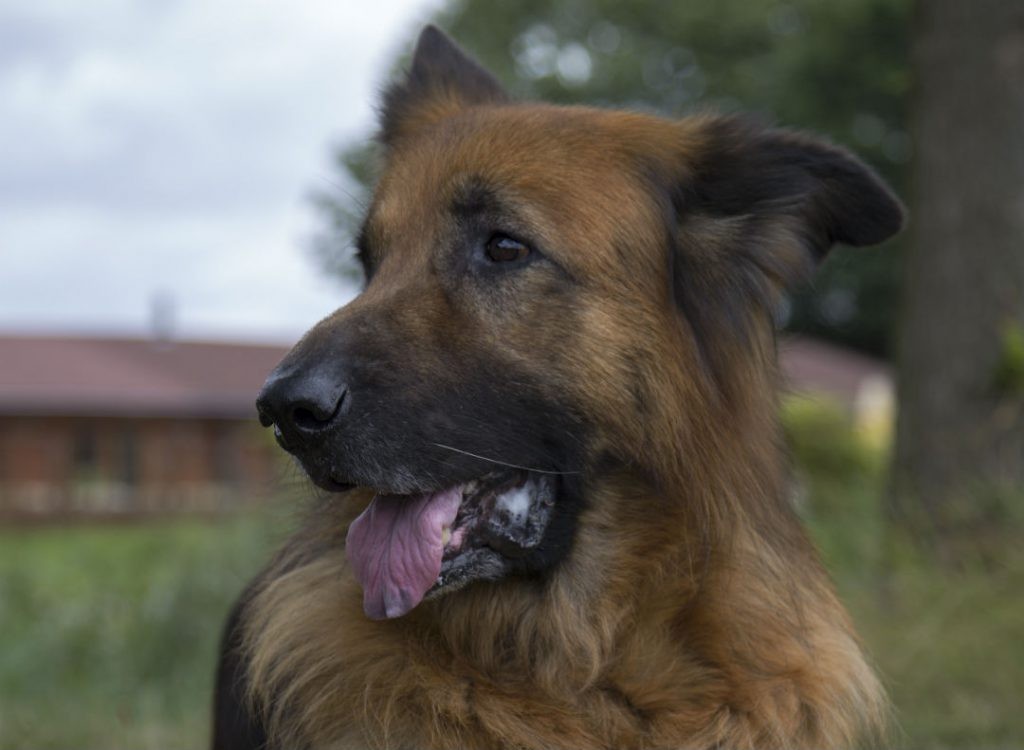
(714, 299)
(235, 727)
(836, 197)
(363, 253)
(480, 212)
(561, 530)
(439, 66)
(408, 398)
(475, 197)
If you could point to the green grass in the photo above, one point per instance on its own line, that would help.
(949, 645)
(109, 634)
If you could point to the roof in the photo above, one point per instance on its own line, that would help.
(77, 376)
(817, 367)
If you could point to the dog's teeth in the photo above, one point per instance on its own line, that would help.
(446, 535)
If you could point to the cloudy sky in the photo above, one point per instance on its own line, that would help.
(168, 148)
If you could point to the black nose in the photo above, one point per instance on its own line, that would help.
(300, 405)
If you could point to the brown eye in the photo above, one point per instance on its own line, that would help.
(503, 249)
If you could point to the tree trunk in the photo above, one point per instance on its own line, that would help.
(960, 433)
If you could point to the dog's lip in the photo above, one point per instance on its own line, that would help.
(503, 520)
(339, 484)
(336, 485)
(332, 483)
(468, 486)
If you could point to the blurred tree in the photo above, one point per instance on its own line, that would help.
(960, 437)
(341, 209)
(837, 67)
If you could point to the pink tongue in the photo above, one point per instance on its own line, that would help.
(395, 549)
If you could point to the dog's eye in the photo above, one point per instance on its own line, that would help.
(503, 249)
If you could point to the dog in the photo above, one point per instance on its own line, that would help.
(558, 509)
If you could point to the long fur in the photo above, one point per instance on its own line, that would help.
(691, 612)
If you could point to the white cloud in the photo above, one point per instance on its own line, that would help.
(171, 146)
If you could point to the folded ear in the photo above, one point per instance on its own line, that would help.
(786, 198)
(442, 79)
(756, 211)
(744, 168)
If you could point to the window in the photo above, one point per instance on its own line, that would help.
(129, 456)
(85, 453)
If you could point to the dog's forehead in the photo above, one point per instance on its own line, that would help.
(554, 162)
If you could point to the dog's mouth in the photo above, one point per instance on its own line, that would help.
(405, 548)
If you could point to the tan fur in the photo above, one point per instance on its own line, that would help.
(692, 611)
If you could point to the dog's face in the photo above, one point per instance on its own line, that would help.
(527, 269)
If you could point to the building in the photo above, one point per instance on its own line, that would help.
(103, 426)
(861, 385)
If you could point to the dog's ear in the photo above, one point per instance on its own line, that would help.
(442, 79)
(755, 213)
(766, 205)
(744, 169)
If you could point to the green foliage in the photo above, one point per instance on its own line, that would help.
(837, 479)
(341, 208)
(949, 651)
(110, 633)
(1008, 377)
(823, 441)
(947, 644)
(839, 68)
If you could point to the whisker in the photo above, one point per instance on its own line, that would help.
(502, 463)
(359, 201)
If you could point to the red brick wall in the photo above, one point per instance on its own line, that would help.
(63, 464)
(33, 450)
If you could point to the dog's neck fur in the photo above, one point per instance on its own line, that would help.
(576, 665)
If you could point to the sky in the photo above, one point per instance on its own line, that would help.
(166, 150)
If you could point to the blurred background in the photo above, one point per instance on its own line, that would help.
(179, 184)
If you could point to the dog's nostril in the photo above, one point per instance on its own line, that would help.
(314, 416)
(306, 419)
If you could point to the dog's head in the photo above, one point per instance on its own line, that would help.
(535, 276)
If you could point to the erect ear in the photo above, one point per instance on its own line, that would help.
(442, 79)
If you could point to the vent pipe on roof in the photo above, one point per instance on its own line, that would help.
(162, 313)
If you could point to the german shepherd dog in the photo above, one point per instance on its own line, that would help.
(562, 516)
